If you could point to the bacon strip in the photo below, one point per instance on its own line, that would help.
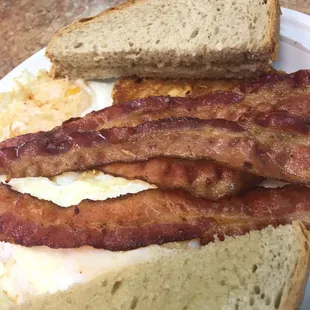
(138, 112)
(149, 217)
(265, 151)
(289, 92)
(202, 178)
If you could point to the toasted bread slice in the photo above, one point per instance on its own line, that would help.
(193, 39)
(264, 269)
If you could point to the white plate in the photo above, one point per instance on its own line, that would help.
(294, 55)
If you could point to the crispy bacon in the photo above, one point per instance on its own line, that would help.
(149, 217)
(288, 92)
(264, 151)
(141, 111)
(202, 178)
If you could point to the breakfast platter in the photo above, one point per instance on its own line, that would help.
(294, 55)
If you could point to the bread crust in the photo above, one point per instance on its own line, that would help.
(293, 293)
(272, 42)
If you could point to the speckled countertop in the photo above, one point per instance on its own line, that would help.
(27, 25)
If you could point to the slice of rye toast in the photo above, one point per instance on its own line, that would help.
(170, 39)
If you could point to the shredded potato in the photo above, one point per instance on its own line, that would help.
(40, 103)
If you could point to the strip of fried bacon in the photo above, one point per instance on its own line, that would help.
(285, 92)
(149, 217)
(202, 178)
(277, 147)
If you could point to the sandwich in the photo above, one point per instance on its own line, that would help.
(175, 39)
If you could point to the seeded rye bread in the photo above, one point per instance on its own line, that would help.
(175, 38)
(261, 270)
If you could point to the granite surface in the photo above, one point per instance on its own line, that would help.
(27, 25)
